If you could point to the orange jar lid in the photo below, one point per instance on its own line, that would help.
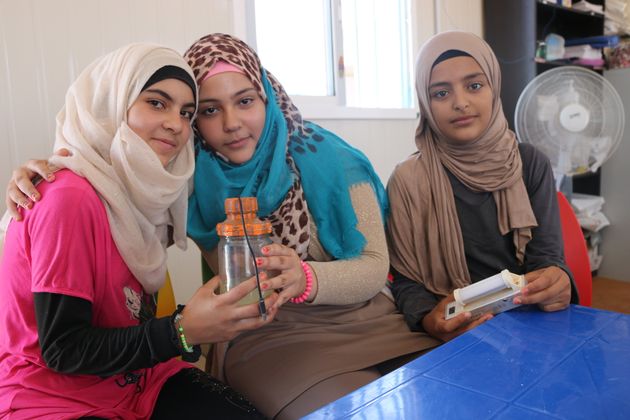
(233, 225)
(232, 205)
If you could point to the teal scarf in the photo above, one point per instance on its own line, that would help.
(328, 167)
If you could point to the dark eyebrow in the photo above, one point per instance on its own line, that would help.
(240, 92)
(433, 85)
(468, 77)
(168, 97)
(161, 93)
(474, 75)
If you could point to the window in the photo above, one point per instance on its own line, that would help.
(338, 58)
(296, 44)
(376, 53)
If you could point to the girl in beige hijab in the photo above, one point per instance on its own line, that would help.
(471, 201)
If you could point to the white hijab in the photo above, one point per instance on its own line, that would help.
(141, 196)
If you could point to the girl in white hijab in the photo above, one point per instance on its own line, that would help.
(78, 273)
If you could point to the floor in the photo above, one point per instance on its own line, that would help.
(612, 295)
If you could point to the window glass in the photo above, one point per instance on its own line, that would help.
(376, 44)
(356, 51)
(294, 41)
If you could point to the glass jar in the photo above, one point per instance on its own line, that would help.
(237, 263)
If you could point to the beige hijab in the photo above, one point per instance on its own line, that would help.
(431, 249)
(141, 196)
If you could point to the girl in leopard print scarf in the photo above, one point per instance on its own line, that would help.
(291, 158)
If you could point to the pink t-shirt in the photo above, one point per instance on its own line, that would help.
(64, 245)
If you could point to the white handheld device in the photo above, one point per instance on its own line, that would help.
(491, 295)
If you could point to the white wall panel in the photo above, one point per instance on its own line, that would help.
(423, 12)
(463, 15)
(615, 189)
(384, 142)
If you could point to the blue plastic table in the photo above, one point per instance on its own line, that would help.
(522, 364)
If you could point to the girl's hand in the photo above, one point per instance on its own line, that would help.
(20, 191)
(436, 325)
(213, 318)
(291, 280)
(548, 287)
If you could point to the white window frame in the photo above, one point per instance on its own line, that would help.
(319, 107)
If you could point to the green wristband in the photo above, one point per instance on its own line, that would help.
(180, 333)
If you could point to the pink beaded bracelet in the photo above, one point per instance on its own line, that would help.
(309, 284)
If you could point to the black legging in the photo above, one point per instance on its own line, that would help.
(193, 394)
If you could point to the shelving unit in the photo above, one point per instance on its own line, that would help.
(555, 5)
(514, 28)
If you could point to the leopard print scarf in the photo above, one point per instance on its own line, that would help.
(290, 220)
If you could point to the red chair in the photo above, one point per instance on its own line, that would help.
(575, 252)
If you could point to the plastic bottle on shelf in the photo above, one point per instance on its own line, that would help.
(236, 261)
(554, 47)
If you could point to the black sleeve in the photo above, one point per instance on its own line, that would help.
(412, 299)
(70, 344)
(546, 247)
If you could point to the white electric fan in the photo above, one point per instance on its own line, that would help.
(574, 116)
